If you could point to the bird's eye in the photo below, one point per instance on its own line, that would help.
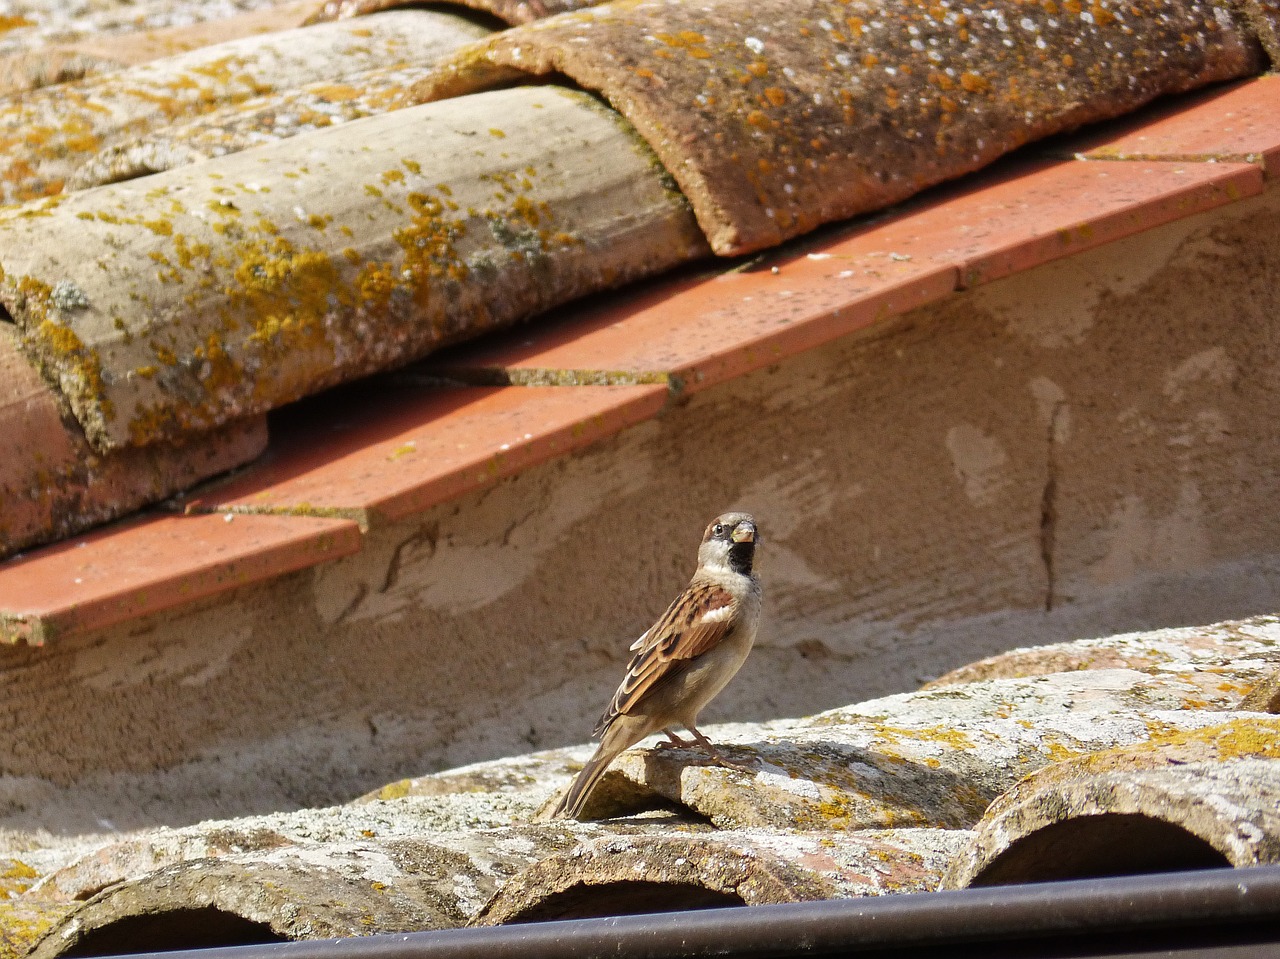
(718, 529)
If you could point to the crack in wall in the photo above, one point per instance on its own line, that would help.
(1049, 507)
(428, 534)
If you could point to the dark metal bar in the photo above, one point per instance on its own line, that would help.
(1220, 913)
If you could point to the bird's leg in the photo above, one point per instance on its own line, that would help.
(719, 757)
(676, 741)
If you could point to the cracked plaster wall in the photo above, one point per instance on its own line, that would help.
(1083, 448)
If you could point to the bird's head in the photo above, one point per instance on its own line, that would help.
(730, 543)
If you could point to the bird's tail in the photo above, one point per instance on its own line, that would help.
(619, 736)
(573, 801)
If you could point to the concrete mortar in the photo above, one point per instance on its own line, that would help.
(1084, 448)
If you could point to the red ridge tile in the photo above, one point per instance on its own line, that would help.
(1238, 123)
(156, 563)
(697, 333)
(705, 331)
(387, 450)
(1026, 214)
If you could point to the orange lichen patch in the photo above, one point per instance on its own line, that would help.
(714, 94)
(24, 922)
(1169, 745)
(775, 96)
(76, 366)
(1237, 739)
(16, 877)
(952, 738)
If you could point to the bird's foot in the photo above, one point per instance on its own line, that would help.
(674, 742)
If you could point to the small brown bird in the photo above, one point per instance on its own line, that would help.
(685, 658)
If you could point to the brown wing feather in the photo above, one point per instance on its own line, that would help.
(678, 637)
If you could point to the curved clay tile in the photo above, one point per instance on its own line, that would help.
(1226, 659)
(495, 828)
(277, 116)
(311, 874)
(340, 889)
(646, 872)
(1147, 785)
(358, 870)
(1185, 799)
(54, 484)
(927, 759)
(633, 874)
(776, 116)
(28, 27)
(47, 134)
(217, 290)
(58, 62)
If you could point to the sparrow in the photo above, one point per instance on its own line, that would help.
(684, 659)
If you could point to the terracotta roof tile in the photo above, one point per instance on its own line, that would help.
(394, 450)
(1226, 124)
(771, 132)
(155, 563)
(53, 484)
(439, 233)
(705, 331)
(72, 53)
(145, 45)
(1001, 222)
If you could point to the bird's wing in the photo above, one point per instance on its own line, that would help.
(696, 622)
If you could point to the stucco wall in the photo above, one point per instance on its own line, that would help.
(1084, 448)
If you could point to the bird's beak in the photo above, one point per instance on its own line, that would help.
(743, 534)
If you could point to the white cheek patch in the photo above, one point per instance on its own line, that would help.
(716, 615)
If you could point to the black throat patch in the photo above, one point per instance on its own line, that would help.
(740, 557)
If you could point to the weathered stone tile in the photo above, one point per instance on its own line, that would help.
(1184, 799)
(1224, 660)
